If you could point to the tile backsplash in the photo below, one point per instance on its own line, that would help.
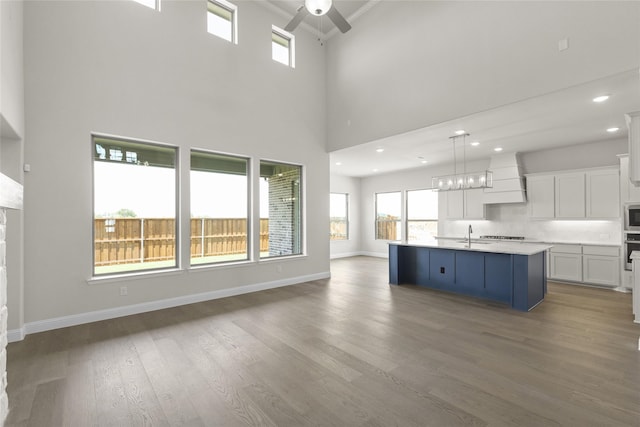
(513, 220)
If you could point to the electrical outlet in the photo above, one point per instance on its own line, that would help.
(124, 291)
(441, 270)
(279, 268)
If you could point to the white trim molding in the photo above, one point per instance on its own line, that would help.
(112, 313)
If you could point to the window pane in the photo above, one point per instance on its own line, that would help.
(422, 215)
(280, 53)
(280, 209)
(219, 208)
(388, 213)
(221, 19)
(134, 206)
(282, 45)
(153, 4)
(338, 208)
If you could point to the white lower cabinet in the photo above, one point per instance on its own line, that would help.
(566, 263)
(601, 265)
(590, 264)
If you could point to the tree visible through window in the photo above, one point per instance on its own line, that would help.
(339, 216)
(388, 216)
(134, 186)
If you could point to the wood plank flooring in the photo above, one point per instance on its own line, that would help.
(349, 351)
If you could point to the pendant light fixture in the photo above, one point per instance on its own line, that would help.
(464, 180)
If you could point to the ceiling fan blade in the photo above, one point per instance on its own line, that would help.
(297, 19)
(338, 19)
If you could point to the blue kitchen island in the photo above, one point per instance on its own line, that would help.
(511, 273)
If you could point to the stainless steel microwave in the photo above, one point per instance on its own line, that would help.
(632, 217)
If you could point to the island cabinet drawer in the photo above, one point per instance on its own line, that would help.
(601, 250)
(567, 249)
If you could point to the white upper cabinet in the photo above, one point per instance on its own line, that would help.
(570, 195)
(474, 207)
(590, 194)
(603, 195)
(461, 204)
(541, 196)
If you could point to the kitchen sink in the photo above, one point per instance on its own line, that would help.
(473, 242)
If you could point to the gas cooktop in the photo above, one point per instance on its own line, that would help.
(503, 237)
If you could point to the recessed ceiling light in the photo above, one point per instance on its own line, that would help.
(423, 161)
(475, 143)
(459, 132)
(338, 163)
(613, 129)
(379, 150)
(375, 170)
(497, 149)
(601, 98)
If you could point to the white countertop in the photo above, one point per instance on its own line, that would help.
(528, 240)
(517, 248)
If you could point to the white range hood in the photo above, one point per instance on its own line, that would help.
(508, 183)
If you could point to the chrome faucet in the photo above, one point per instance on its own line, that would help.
(470, 231)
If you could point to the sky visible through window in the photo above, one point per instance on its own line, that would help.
(149, 192)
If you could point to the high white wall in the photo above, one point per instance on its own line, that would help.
(11, 72)
(502, 219)
(455, 58)
(120, 68)
(12, 145)
(350, 186)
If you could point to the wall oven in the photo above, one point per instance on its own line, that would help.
(632, 217)
(631, 243)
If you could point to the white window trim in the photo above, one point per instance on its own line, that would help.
(234, 17)
(156, 4)
(292, 44)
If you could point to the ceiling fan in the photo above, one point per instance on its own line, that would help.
(319, 8)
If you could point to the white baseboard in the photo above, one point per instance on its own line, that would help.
(112, 313)
(360, 253)
(376, 254)
(14, 335)
(345, 255)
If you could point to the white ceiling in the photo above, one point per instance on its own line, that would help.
(563, 118)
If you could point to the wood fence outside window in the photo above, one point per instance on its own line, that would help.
(135, 240)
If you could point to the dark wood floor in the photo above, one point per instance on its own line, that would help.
(350, 351)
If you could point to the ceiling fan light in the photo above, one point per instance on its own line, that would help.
(318, 7)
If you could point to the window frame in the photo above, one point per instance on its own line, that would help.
(249, 213)
(301, 207)
(156, 4)
(233, 11)
(408, 212)
(346, 218)
(177, 197)
(291, 45)
(398, 221)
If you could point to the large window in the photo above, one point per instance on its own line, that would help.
(282, 47)
(134, 186)
(339, 216)
(280, 209)
(222, 20)
(388, 216)
(422, 215)
(219, 208)
(153, 4)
